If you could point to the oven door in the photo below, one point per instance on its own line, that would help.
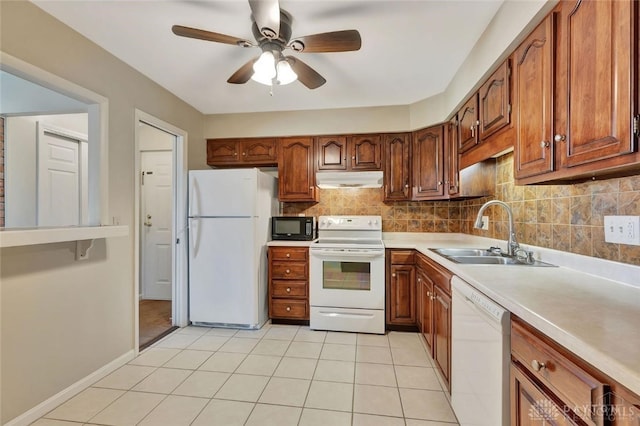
(347, 278)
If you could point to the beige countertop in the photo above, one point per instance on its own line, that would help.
(596, 318)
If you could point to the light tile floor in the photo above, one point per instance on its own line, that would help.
(279, 375)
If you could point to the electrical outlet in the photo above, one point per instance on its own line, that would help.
(622, 229)
(485, 223)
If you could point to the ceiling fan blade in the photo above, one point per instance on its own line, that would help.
(306, 75)
(336, 41)
(209, 36)
(243, 74)
(266, 13)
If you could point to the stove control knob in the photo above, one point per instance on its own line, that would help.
(369, 222)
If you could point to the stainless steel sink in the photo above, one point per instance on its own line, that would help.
(464, 252)
(484, 257)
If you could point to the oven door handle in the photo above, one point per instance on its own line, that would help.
(347, 254)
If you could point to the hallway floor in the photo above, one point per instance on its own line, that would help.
(279, 375)
(155, 320)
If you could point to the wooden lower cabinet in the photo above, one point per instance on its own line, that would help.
(401, 288)
(289, 283)
(436, 312)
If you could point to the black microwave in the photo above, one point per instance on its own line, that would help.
(296, 228)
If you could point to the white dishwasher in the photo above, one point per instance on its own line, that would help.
(480, 354)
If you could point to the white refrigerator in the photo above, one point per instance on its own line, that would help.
(229, 226)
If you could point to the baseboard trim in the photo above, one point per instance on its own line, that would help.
(64, 395)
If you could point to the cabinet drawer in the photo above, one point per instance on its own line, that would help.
(288, 308)
(575, 386)
(289, 253)
(289, 270)
(402, 257)
(289, 288)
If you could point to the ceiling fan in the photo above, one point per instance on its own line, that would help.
(272, 31)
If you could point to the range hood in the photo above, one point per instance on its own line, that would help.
(327, 180)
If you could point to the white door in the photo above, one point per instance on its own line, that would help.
(157, 214)
(62, 177)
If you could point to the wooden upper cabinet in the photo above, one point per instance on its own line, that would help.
(533, 87)
(595, 94)
(358, 152)
(428, 163)
(397, 185)
(296, 174)
(331, 152)
(259, 151)
(366, 152)
(222, 151)
(243, 152)
(495, 102)
(468, 125)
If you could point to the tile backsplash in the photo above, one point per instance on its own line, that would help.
(561, 217)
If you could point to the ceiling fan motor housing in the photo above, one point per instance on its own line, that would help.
(267, 35)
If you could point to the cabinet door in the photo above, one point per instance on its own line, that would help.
(495, 101)
(222, 152)
(296, 177)
(468, 125)
(428, 163)
(597, 43)
(442, 333)
(530, 405)
(427, 312)
(259, 151)
(396, 169)
(402, 297)
(366, 152)
(331, 152)
(451, 158)
(533, 79)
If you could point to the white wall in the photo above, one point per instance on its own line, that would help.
(61, 319)
(21, 165)
(152, 139)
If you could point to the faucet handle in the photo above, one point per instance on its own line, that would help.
(524, 256)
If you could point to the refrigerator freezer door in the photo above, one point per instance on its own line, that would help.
(222, 193)
(223, 282)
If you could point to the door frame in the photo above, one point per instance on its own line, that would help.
(179, 296)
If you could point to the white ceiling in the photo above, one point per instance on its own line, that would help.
(410, 49)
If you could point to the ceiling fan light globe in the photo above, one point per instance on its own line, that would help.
(267, 81)
(265, 66)
(285, 74)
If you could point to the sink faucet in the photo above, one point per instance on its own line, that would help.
(512, 243)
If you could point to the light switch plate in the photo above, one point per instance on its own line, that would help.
(485, 223)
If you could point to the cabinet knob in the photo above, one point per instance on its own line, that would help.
(393, 275)
(235, 154)
(288, 289)
(419, 280)
(288, 254)
(429, 294)
(473, 131)
(288, 271)
(406, 185)
(559, 138)
(353, 158)
(537, 365)
(439, 183)
(544, 144)
(288, 308)
(244, 154)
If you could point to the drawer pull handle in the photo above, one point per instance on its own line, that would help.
(288, 254)
(537, 365)
(288, 308)
(288, 271)
(288, 289)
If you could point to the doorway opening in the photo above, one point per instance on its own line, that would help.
(160, 202)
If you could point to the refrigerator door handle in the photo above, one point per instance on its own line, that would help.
(194, 199)
(194, 236)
